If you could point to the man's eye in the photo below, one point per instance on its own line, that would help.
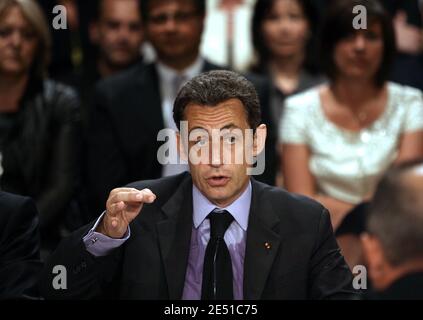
(230, 139)
(113, 25)
(295, 17)
(159, 19)
(201, 142)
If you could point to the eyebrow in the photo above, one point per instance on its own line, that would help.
(228, 126)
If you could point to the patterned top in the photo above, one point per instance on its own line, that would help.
(348, 164)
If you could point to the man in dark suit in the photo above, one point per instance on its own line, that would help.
(393, 244)
(19, 247)
(116, 35)
(213, 233)
(131, 108)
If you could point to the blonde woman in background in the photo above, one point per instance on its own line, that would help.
(38, 118)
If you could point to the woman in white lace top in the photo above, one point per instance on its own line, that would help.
(338, 139)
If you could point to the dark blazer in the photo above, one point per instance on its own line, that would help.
(408, 287)
(122, 133)
(41, 152)
(19, 247)
(304, 261)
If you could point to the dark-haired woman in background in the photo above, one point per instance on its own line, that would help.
(339, 138)
(283, 40)
(38, 118)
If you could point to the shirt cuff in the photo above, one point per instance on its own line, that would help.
(100, 245)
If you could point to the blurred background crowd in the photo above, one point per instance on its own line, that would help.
(80, 108)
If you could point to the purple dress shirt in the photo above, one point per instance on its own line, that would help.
(235, 238)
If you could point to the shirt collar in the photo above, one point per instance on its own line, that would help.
(168, 74)
(239, 209)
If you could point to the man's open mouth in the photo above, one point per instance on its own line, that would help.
(218, 181)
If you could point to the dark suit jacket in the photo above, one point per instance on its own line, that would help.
(122, 133)
(19, 247)
(304, 260)
(408, 287)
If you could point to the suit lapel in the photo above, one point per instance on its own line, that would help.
(175, 237)
(137, 109)
(263, 243)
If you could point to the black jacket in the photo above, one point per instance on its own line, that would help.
(408, 287)
(19, 247)
(304, 261)
(122, 132)
(40, 153)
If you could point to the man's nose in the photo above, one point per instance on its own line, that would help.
(124, 32)
(170, 24)
(216, 154)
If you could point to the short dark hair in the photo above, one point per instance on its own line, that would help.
(214, 87)
(98, 10)
(261, 10)
(396, 215)
(337, 25)
(145, 7)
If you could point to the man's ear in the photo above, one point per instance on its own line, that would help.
(375, 257)
(259, 139)
(368, 244)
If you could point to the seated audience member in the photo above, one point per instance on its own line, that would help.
(338, 139)
(131, 108)
(393, 245)
(407, 66)
(117, 35)
(283, 38)
(117, 32)
(213, 233)
(38, 118)
(19, 247)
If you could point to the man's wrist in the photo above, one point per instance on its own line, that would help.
(101, 228)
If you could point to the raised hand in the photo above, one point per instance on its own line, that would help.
(123, 206)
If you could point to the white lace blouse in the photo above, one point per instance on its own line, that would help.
(347, 165)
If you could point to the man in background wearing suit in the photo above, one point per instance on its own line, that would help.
(213, 233)
(138, 103)
(116, 35)
(19, 247)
